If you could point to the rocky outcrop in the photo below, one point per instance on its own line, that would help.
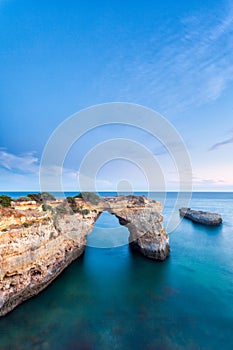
(38, 241)
(144, 220)
(35, 247)
(201, 217)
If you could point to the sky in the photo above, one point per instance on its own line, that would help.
(60, 57)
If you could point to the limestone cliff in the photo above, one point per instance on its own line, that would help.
(144, 220)
(38, 241)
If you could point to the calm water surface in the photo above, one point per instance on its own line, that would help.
(114, 299)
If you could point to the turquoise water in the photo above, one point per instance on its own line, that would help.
(116, 299)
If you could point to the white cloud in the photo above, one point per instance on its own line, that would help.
(27, 162)
(21, 173)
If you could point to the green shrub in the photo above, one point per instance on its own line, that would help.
(47, 207)
(90, 197)
(46, 196)
(23, 199)
(41, 197)
(85, 211)
(71, 201)
(35, 197)
(72, 204)
(62, 209)
(5, 201)
(78, 195)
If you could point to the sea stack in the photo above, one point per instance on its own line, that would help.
(39, 240)
(201, 217)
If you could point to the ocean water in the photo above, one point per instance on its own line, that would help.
(113, 298)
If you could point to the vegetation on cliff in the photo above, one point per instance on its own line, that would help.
(72, 204)
(41, 197)
(90, 197)
(5, 201)
(23, 199)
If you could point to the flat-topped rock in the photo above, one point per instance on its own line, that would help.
(202, 217)
(39, 240)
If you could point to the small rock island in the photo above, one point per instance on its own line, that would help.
(201, 217)
(40, 236)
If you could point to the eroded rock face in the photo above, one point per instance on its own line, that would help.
(37, 243)
(201, 217)
(144, 220)
(35, 248)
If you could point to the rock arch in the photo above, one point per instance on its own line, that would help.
(36, 245)
(144, 220)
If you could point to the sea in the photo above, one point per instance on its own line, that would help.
(114, 298)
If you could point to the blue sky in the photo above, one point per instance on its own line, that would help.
(58, 57)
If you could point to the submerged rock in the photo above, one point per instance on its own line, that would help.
(202, 217)
(38, 241)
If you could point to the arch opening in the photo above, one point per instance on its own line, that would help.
(108, 232)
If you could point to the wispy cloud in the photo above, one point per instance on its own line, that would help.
(207, 182)
(183, 64)
(196, 67)
(210, 183)
(221, 143)
(21, 172)
(27, 162)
